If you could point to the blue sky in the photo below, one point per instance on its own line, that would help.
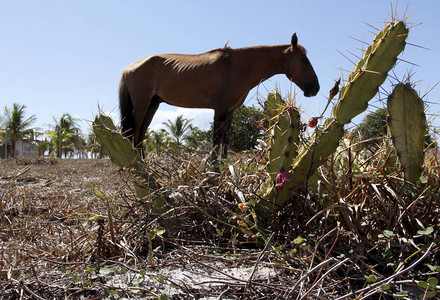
(67, 56)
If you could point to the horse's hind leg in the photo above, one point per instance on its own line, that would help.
(220, 137)
(141, 105)
(154, 105)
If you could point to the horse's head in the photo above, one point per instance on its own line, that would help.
(300, 70)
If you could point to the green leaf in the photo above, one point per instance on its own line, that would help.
(151, 234)
(104, 271)
(433, 268)
(99, 194)
(305, 246)
(163, 297)
(422, 284)
(298, 240)
(423, 179)
(432, 281)
(371, 278)
(427, 231)
(431, 294)
(160, 278)
(142, 272)
(161, 231)
(385, 287)
(388, 233)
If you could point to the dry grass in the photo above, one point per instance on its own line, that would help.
(73, 229)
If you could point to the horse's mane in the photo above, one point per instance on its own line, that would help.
(187, 62)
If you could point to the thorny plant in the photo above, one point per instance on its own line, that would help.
(360, 226)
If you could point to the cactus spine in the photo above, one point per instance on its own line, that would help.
(406, 124)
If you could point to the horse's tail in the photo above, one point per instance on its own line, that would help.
(126, 109)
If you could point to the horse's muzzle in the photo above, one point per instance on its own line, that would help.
(311, 90)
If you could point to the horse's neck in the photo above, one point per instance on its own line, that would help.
(261, 63)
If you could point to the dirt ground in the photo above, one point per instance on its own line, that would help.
(55, 189)
(73, 229)
(44, 207)
(53, 246)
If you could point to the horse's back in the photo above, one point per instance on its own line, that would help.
(147, 63)
(180, 62)
(181, 79)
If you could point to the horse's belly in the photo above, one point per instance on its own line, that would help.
(187, 100)
(188, 93)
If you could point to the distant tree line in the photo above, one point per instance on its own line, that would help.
(64, 138)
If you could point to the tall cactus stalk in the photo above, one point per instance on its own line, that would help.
(371, 71)
(285, 138)
(362, 85)
(406, 124)
(284, 123)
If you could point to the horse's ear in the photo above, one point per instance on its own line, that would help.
(294, 41)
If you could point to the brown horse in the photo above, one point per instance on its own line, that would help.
(219, 79)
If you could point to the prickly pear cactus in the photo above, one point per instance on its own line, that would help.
(285, 138)
(124, 155)
(272, 107)
(119, 149)
(362, 85)
(316, 151)
(406, 124)
(371, 71)
(310, 156)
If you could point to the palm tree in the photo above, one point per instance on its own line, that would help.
(93, 146)
(17, 126)
(2, 129)
(178, 129)
(196, 136)
(159, 139)
(65, 135)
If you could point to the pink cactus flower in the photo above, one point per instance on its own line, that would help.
(282, 178)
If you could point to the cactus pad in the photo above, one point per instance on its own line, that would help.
(284, 141)
(406, 124)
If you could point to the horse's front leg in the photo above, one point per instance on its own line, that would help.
(217, 137)
(220, 138)
(226, 134)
